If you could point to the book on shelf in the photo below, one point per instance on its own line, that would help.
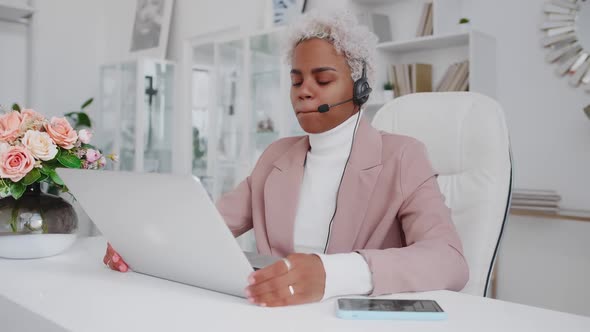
(534, 208)
(549, 197)
(535, 195)
(535, 200)
(533, 191)
(530, 202)
(421, 77)
(411, 78)
(425, 25)
(456, 78)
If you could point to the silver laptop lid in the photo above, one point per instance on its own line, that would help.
(162, 225)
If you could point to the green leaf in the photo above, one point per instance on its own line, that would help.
(43, 177)
(17, 189)
(69, 160)
(32, 177)
(87, 103)
(84, 120)
(55, 178)
(47, 166)
(15, 107)
(89, 146)
(45, 170)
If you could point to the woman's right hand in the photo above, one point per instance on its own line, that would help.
(113, 260)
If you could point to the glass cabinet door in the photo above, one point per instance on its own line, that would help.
(265, 89)
(136, 114)
(109, 105)
(202, 90)
(231, 146)
(158, 116)
(272, 115)
(127, 117)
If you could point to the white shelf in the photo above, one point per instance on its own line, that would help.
(426, 43)
(15, 12)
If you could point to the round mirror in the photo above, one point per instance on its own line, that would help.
(567, 38)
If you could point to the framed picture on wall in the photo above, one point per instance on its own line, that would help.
(150, 28)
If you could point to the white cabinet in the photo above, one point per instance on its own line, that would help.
(136, 113)
(240, 104)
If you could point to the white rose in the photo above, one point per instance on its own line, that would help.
(85, 135)
(40, 144)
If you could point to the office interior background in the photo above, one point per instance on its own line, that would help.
(220, 96)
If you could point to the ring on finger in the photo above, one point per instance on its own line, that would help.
(288, 264)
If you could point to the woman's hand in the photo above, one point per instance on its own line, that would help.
(113, 260)
(277, 285)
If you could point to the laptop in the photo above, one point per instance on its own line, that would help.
(164, 226)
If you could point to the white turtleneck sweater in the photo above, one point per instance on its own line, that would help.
(346, 274)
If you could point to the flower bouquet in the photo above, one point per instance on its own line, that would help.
(32, 223)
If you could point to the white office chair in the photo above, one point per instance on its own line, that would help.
(467, 141)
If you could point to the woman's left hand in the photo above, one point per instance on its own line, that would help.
(272, 285)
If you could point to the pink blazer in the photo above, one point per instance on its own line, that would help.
(390, 210)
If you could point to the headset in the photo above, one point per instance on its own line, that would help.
(360, 95)
(360, 92)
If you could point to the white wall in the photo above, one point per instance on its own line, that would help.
(542, 262)
(67, 48)
(550, 133)
(13, 63)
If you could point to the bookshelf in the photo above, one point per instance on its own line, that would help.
(447, 45)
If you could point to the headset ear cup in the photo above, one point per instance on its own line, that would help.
(361, 91)
(361, 88)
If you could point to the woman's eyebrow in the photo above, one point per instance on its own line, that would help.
(313, 71)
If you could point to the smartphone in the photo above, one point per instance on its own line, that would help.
(390, 309)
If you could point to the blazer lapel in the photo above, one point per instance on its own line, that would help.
(281, 197)
(357, 186)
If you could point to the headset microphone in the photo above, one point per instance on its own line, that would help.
(325, 107)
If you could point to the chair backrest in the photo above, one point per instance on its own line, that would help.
(468, 145)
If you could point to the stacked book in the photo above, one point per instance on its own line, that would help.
(425, 27)
(456, 78)
(537, 200)
(410, 78)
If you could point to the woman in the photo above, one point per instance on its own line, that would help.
(353, 210)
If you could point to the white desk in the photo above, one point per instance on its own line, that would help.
(77, 292)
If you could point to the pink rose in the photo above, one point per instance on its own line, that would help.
(102, 162)
(92, 155)
(10, 126)
(85, 136)
(32, 120)
(62, 132)
(15, 163)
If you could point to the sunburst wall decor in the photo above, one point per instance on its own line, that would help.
(567, 38)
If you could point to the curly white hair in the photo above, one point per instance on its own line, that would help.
(340, 28)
